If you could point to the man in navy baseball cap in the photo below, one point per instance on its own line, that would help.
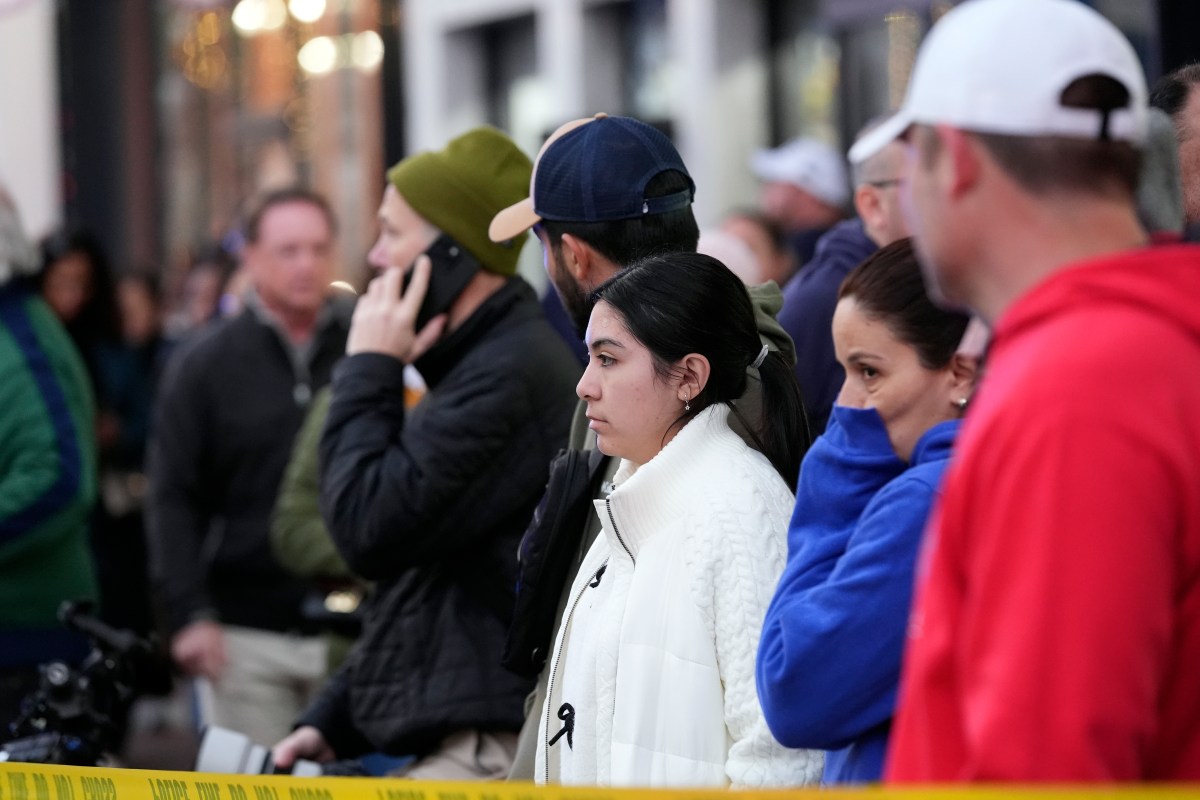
(605, 192)
(597, 169)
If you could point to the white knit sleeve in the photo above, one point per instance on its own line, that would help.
(744, 546)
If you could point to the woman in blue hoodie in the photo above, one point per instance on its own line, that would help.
(829, 657)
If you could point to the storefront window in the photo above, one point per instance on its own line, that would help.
(261, 94)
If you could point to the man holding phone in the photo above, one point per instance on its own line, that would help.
(430, 503)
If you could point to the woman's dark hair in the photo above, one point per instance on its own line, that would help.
(889, 287)
(98, 318)
(776, 235)
(683, 303)
(148, 281)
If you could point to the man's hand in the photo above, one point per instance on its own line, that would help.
(199, 649)
(385, 322)
(304, 742)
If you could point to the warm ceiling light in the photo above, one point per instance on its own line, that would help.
(366, 50)
(274, 14)
(248, 16)
(307, 10)
(318, 56)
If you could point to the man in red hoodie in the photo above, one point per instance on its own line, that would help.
(1056, 629)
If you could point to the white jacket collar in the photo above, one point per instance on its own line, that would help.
(650, 498)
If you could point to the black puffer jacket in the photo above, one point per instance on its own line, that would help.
(432, 508)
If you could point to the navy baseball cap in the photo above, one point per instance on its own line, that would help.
(596, 170)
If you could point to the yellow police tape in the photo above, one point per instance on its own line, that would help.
(41, 782)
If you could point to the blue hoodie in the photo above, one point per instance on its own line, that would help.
(829, 658)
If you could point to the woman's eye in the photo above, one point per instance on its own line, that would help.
(869, 372)
(604, 360)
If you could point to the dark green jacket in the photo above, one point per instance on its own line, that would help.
(299, 538)
(47, 480)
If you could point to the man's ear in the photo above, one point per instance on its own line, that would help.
(577, 257)
(866, 203)
(962, 160)
(693, 370)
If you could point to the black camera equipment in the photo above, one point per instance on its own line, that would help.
(77, 714)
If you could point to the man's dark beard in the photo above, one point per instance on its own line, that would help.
(574, 299)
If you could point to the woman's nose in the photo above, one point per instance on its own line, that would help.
(584, 390)
(850, 396)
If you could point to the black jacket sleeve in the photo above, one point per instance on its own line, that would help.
(330, 714)
(392, 493)
(177, 519)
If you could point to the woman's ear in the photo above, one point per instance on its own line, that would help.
(693, 370)
(964, 370)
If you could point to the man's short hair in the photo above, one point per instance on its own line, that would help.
(279, 197)
(1047, 164)
(1099, 166)
(1172, 90)
(625, 241)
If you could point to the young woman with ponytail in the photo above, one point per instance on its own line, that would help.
(652, 673)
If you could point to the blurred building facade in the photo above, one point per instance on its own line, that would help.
(30, 158)
(722, 77)
(153, 121)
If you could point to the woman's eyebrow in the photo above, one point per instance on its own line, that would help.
(599, 343)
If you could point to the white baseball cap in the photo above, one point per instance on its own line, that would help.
(808, 163)
(1000, 66)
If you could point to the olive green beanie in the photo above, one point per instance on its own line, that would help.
(461, 187)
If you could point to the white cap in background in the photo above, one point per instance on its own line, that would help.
(812, 165)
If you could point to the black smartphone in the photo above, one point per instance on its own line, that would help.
(452, 269)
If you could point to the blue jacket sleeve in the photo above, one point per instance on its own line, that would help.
(829, 658)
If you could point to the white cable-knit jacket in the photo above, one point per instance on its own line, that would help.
(652, 675)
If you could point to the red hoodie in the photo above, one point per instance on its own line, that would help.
(1056, 635)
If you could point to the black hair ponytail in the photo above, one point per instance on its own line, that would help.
(683, 303)
(782, 432)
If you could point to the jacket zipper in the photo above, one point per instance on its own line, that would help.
(621, 539)
(554, 668)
